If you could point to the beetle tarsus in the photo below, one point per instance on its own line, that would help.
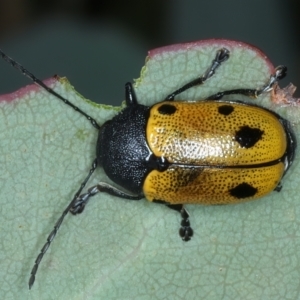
(80, 203)
(222, 56)
(280, 72)
(78, 207)
(186, 232)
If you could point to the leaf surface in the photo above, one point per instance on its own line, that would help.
(120, 249)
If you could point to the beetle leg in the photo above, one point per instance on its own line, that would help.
(186, 231)
(221, 56)
(82, 200)
(280, 72)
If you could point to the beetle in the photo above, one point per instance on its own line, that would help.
(179, 152)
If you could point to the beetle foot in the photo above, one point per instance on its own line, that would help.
(280, 72)
(222, 55)
(78, 206)
(81, 201)
(186, 232)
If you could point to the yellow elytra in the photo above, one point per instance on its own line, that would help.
(215, 149)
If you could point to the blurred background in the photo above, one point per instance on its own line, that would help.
(100, 45)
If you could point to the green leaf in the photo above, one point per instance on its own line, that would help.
(119, 249)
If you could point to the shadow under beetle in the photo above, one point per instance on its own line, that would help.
(179, 152)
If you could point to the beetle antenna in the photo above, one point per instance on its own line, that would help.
(57, 226)
(40, 83)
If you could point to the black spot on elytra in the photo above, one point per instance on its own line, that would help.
(167, 109)
(225, 109)
(243, 190)
(247, 137)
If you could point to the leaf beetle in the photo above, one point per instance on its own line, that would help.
(186, 152)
